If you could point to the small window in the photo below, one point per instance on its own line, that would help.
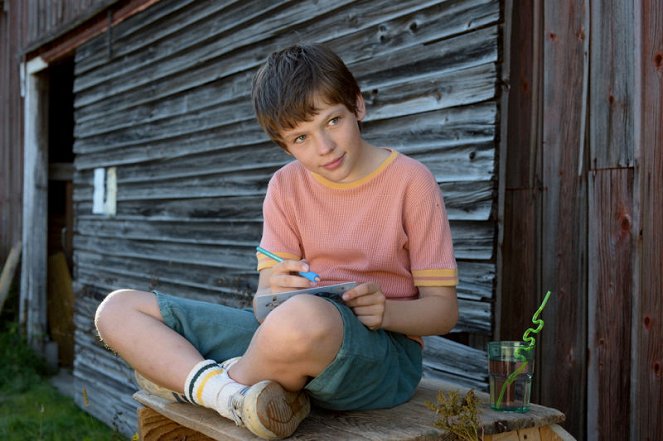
(105, 191)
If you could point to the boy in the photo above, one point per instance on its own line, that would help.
(349, 211)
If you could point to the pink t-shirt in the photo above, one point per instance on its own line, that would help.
(389, 227)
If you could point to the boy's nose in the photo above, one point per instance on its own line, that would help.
(325, 144)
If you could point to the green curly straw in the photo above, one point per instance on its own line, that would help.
(531, 342)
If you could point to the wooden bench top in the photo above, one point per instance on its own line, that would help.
(410, 421)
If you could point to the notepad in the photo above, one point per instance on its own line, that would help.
(264, 304)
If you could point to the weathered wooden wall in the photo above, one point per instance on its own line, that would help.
(12, 38)
(646, 389)
(50, 18)
(25, 24)
(582, 209)
(166, 102)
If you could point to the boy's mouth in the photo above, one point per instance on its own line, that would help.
(336, 163)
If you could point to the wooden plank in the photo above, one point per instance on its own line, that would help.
(13, 35)
(519, 297)
(409, 421)
(610, 276)
(474, 317)
(445, 359)
(554, 432)
(563, 342)
(647, 370)
(521, 167)
(612, 86)
(32, 313)
(152, 426)
(507, 436)
(8, 271)
(530, 434)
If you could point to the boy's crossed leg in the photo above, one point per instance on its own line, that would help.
(261, 390)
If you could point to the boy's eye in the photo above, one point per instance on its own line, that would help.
(334, 121)
(299, 139)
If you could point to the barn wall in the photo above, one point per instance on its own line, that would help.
(51, 18)
(582, 210)
(164, 102)
(12, 37)
(25, 24)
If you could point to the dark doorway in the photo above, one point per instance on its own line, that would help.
(60, 208)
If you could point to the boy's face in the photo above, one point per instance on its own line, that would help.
(331, 144)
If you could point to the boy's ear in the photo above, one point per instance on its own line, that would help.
(361, 107)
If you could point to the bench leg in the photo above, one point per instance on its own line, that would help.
(553, 432)
(152, 426)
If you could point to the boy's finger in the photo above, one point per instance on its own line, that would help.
(359, 291)
(292, 266)
(290, 282)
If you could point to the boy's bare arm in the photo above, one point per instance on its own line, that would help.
(434, 313)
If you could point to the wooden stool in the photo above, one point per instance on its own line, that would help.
(167, 421)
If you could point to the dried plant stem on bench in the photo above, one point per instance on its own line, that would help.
(456, 415)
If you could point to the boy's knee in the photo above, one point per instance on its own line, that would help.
(303, 324)
(113, 308)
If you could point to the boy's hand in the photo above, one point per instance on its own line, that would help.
(368, 303)
(284, 276)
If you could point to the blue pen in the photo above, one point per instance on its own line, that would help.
(313, 277)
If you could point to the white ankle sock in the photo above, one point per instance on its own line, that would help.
(209, 385)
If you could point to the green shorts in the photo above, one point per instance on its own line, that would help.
(372, 370)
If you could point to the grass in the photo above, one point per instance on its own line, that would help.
(30, 407)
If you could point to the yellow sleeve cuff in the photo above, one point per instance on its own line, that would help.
(435, 277)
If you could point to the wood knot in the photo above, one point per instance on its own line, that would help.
(525, 86)
(657, 369)
(658, 61)
(646, 321)
(552, 36)
(580, 35)
(626, 223)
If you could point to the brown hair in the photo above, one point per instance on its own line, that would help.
(285, 86)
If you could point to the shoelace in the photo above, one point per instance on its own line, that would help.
(235, 406)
